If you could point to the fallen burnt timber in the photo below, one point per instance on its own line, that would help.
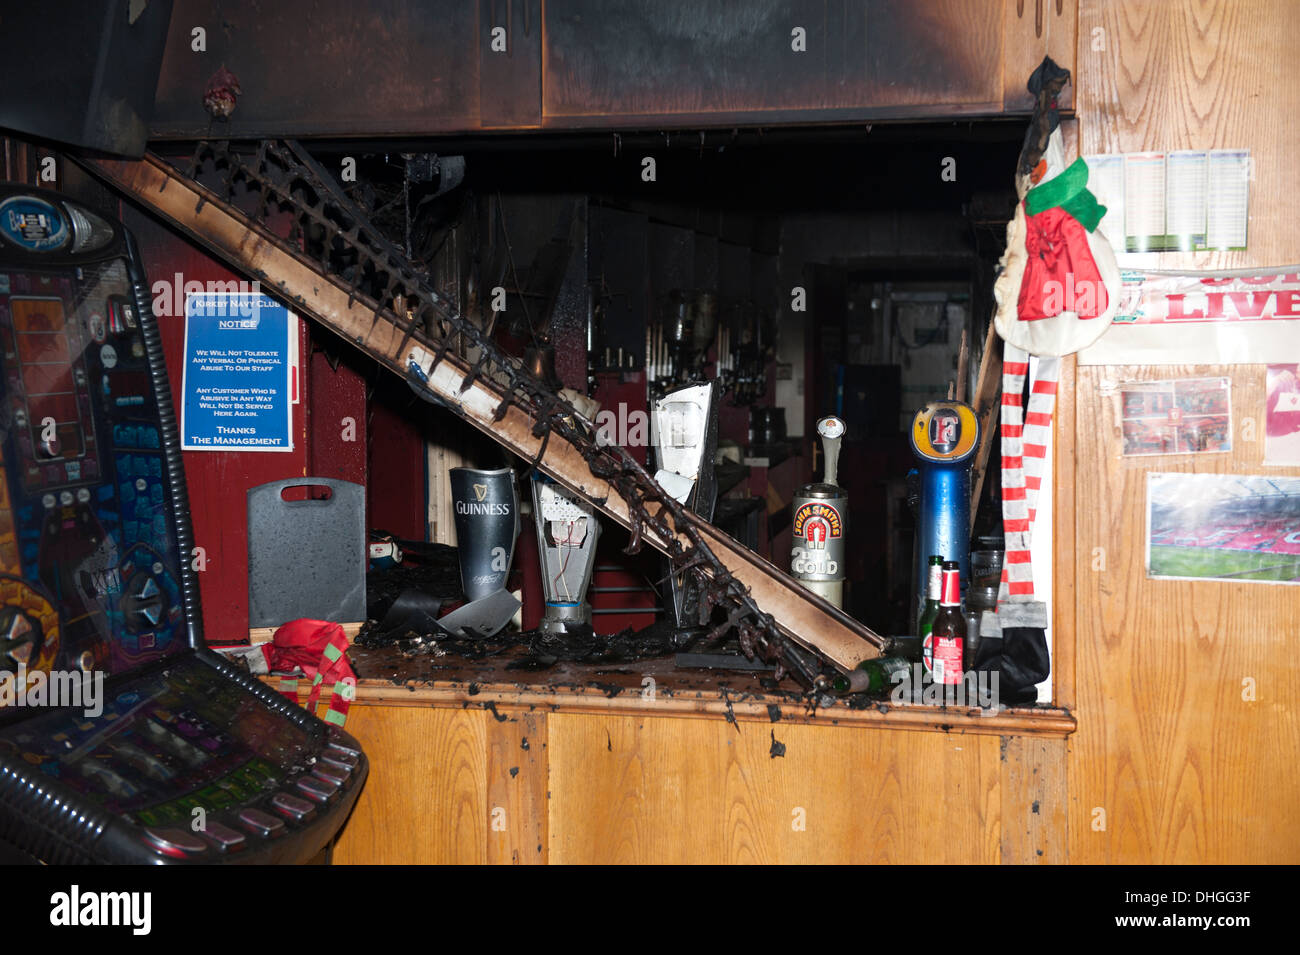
(351, 287)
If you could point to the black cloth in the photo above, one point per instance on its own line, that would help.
(1021, 661)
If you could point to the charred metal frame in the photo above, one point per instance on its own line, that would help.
(349, 263)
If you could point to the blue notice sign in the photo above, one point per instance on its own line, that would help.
(235, 391)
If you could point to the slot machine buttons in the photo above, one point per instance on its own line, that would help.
(339, 758)
(331, 774)
(20, 637)
(345, 748)
(142, 602)
(224, 837)
(176, 842)
(260, 823)
(292, 806)
(321, 790)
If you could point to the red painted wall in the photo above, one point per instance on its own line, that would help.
(396, 494)
(218, 481)
(336, 420)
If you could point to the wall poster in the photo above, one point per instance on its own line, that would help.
(1282, 415)
(1184, 416)
(1225, 527)
(237, 385)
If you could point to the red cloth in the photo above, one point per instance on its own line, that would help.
(1061, 274)
(299, 645)
(306, 645)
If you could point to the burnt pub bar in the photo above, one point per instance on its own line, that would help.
(567, 432)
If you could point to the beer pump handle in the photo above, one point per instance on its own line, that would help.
(831, 430)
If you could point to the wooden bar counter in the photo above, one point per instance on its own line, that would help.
(475, 761)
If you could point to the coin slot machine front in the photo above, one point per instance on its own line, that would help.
(122, 738)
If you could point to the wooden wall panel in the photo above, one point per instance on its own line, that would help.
(427, 796)
(1034, 29)
(1182, 767)
(660, 790)
(458, 785)
(518, 789)
(1034, 801)
(1178, 74)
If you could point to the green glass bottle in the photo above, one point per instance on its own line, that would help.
(870, 676)
(933, 590)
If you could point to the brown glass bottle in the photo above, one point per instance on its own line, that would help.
(942, 649)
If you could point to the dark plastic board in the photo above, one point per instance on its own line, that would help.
(306, 558)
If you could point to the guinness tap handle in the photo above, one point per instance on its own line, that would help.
(831, 430)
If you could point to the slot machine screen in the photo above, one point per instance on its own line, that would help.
(87, 515)
(97, 598)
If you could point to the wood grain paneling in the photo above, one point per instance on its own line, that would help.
(1034, 801)
(1184, 768)
(1170, 763)
(450, 784)
(660, 790)
(1177, 74)
(518, 784)
(1034, 29)
(426, 800)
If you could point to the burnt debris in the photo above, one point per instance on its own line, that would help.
(272, 178)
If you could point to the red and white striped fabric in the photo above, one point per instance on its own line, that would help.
(1025, 441)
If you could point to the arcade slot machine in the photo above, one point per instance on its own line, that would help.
(122, 737)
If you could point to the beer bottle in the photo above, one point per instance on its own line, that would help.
(933, 589)
(942, 649)
(870, 676)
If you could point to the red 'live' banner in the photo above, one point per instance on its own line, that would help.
(1202, 318)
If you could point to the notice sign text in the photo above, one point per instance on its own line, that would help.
(237, 374)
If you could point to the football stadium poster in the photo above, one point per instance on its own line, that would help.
(1223, 527)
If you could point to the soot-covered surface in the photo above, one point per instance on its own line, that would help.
(414, 665)
(434, 570)
(611, 663)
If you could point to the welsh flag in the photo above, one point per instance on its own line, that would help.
(1059, 285)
